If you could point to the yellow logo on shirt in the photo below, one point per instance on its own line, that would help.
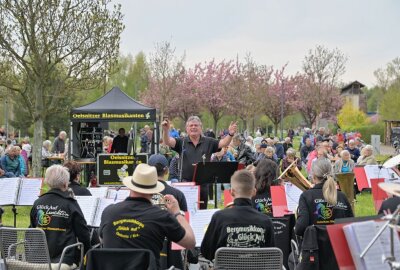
(127, 228)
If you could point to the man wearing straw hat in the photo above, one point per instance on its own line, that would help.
(136, 223)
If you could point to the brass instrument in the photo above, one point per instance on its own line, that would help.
(293, 174)
(159, 200)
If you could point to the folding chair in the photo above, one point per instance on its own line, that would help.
(248, 258)
(119, 258)
(295, 252)
(26, 249)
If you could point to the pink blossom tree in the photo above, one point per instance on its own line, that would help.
(214, 82)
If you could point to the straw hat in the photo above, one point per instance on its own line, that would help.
(144, 180)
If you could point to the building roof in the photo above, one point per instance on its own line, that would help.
(350, 85)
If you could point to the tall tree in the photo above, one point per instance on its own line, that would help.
(389, 106)
(215, 80)
(389, 74)
(322, 68)
(165, 70)
(50, 47)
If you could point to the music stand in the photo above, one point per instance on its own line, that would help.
(214, 173)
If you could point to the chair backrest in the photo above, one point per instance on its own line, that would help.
(248, 258)
(119, 258)
(24, 248)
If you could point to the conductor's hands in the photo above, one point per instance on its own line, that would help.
(171, 204)
(232, 128)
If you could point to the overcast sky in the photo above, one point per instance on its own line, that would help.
(273, 31)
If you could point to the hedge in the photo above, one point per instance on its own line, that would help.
(367, 131)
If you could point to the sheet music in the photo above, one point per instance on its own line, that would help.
(191, 195)
(9, 191)
(385, 240)
(373, 171)
(99, 192)
(29, 191)
(103, 203)
(88, 205)
(199, 222)
(292, 196)
(358, 236)
(120, 194)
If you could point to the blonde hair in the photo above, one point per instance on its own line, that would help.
(322, 170)
(243, 182)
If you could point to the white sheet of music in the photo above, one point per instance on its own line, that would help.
(191, 195)
(103, 203)
(199, 222)
(117, 195)
(373, 171)
(358, 236)
(29, 190)
(385, 240)
(9, 191)
(88, 205)
(99, 192)
(292, 196)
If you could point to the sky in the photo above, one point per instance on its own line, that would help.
(275, 32)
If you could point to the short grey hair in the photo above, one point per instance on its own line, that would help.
(344, 152)
(63, 133)
(57, 177)
(368, 147)
(291, 152)
(194, 118)
(46, 143)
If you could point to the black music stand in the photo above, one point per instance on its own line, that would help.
(214, 173)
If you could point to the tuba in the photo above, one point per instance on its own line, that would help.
(294, 175)
(159, 200)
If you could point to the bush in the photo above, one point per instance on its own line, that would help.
(368, 130)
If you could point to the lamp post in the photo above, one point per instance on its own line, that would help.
(282, 104)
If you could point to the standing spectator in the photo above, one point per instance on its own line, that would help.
(353, 150)
(10, 163)
(290, 134)
(3, 132)
(120, 142)
(143, 141)
(340, 136)
(287, 144)
(24, 158)
(149, 135)
(321, 134)
(308, 134)
(258, 139)
(59, 143)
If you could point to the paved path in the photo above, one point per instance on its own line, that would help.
(387, 150)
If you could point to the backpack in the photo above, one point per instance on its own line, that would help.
(309, 258)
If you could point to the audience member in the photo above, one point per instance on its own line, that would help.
(305, 151)
(287, 144)
(353, 150)
(243, 153)
(59, 143)
(289, 159)
(367, 157)
(120, 142)
(10, 162)
(345, 164)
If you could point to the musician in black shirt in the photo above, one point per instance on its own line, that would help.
(136, 223)
(240, 225)
(322, 204)
(74, 170)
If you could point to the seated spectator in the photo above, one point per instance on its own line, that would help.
(353, 150)
(287, 144)
(243, 152)
(229, 227)
(289, 159)
(223, 155)
(23, 161)
(322, 204)
(279, 150)
(345, 164)
(249, 143)
(328, 150)
(74, 170)
(389, 205)
(61, 218)
(339, 149)
(46, 153)
(259, 154)
(270, 154)
(265, 174)
(367, 157)
(305, 151)
(11, 163)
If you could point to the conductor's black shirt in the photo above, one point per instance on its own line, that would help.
(194, 154)
(136, 223)
(240, 226)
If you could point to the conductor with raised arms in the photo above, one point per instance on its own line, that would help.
(195, 148)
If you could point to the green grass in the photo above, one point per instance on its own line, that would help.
(364, 205)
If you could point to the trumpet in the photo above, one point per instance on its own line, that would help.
(159, 200)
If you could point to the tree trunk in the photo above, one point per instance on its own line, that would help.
(276, 124)
(37, 147)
